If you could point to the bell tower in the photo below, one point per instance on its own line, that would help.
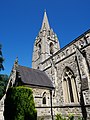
(46, 44)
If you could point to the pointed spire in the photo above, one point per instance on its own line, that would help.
(45, 23)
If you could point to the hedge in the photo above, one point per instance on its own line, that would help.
(19, 104)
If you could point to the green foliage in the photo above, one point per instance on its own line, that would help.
(80, 118)
(3, 84)
(1, 59)
(60, 117)
(70, 117)
(19, 104)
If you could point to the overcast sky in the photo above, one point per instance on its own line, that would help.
(20, 22)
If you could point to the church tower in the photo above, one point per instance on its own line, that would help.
(46, 44)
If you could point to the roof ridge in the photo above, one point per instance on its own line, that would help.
(31, 68)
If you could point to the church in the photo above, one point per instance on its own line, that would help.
(59, 77)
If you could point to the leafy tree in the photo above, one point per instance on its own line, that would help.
(19, 104)
(1, 59)
(3, 78)
(3, 83)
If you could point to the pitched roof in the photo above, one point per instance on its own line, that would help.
(34, 77)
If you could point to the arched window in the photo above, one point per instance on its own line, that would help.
(51, 48)
(44, 98)
(69, 86)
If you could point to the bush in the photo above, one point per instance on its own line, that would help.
(70, 117)
(60, 117)
(19, 104)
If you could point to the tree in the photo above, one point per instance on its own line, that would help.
(1, 59)
(3, 78)
(19, 104)
(3, 83)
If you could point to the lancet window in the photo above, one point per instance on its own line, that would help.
(69, 87)
(51, 48)
(39, 49)
(44, 98)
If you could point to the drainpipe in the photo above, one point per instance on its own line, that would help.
(51, 103)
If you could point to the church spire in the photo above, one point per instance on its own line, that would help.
(46, 44)
(45, 23)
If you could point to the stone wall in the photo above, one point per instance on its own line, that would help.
(42, 109)
(2, 107)
(57, 63)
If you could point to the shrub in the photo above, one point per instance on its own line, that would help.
(19, 104)
(60, 117)
(70, 117)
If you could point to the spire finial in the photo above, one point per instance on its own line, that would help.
(45, 22)
(16, 63)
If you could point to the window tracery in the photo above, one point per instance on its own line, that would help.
(69, 87)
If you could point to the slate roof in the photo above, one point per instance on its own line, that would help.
(34, 77)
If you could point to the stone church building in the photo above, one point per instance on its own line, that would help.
(59, 78)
